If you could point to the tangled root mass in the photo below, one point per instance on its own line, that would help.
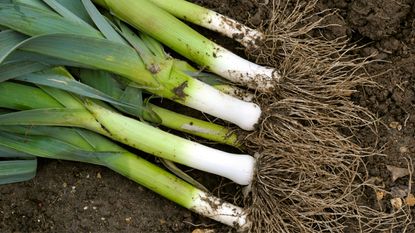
(311, 172)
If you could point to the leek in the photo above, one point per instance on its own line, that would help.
(62, 109)
(92, 51)
(109, 85)
(164, 27)
(80, 145)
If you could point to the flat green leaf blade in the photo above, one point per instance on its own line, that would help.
(50, 117)
(6, 152)
(65, 13)
(76, 7)
(34, 3)
(133, 96)
(21, 97)
(25, 56)
(83, 139)
(101, 80)
(65, 134)
(153, 45)
(12, 171)
(136, 42)
(48, 147)
(101, 23)
(32, 21)
(9, 40)
(130, 96)
(56, 80)
(94, 52)
(15, 69)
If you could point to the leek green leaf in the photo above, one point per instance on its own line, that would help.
(12, 70)
(56, 80)
(48, 116)
(6, 152)
(65, 134)
(102, 81)
(9, 40)
(48, 147)
(21, 97)
(40, 22)
(101, 23)
(12, 171)
(65, 13)
(76, 7)
(35, 3)
(130, 96)
(93, 52)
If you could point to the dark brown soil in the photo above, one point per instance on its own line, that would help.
(73, 197)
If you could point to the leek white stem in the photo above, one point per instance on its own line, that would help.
(210, 100)
(239, 70)
(215, 208)
(248, 37)
(212, 20)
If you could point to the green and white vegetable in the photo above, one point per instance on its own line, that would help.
(164, 27)
(86, 47)
(115, 66)
(84, 146)
(51, 106)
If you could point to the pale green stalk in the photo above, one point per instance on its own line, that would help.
(195, 126)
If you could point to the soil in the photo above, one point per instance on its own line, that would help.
(74, 197)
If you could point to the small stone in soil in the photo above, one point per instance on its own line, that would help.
(395, 125)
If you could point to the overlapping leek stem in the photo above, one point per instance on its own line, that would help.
(64, 109)
(158, 23)
(161, 78)
(85, 146)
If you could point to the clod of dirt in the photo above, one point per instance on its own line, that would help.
(410, 200)
(395, 125)
(403, 149)
(203, 231)
(380, 195)
(400, 191)
(396, 203)
(378, 19)
(397, 172)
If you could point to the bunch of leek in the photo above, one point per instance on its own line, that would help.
(181, 38)
(52, 106)
(85, 146)
(40, 35)
(126, 55)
